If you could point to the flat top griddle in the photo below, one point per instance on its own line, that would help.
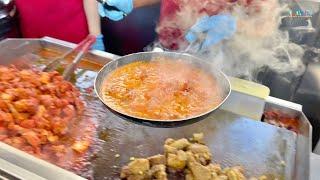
(234, 140)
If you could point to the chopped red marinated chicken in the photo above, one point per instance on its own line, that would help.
(38, 114)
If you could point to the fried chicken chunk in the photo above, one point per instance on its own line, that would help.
(192, 158)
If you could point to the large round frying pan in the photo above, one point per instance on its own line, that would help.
(221, 78)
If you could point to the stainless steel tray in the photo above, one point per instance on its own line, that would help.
(234, 139)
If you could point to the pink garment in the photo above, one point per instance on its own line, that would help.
(177, 16)
(62, 19)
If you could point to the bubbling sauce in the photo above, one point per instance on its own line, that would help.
(161, 89)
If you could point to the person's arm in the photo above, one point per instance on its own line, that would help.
(94, 25)
(93, 18)
(125, 7)
(141, 3)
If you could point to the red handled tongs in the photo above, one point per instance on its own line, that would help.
(81, 48)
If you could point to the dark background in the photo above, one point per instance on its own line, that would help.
(133, 33)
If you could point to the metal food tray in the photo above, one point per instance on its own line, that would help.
(233, 139)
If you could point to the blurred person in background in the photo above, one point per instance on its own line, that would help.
(132, 33)
(8, 20)
(201, 23)
(69, 20)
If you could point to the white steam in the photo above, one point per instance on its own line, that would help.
(257, 43)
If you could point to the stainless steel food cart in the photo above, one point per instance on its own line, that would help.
(234, 133)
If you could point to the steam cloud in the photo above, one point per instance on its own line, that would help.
(257, 43)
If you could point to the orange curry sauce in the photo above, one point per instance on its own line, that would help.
(161, 89)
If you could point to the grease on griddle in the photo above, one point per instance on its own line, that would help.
(103, 135)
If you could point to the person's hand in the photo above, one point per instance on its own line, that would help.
(209, 31)
(98, 45)
(125, 7)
